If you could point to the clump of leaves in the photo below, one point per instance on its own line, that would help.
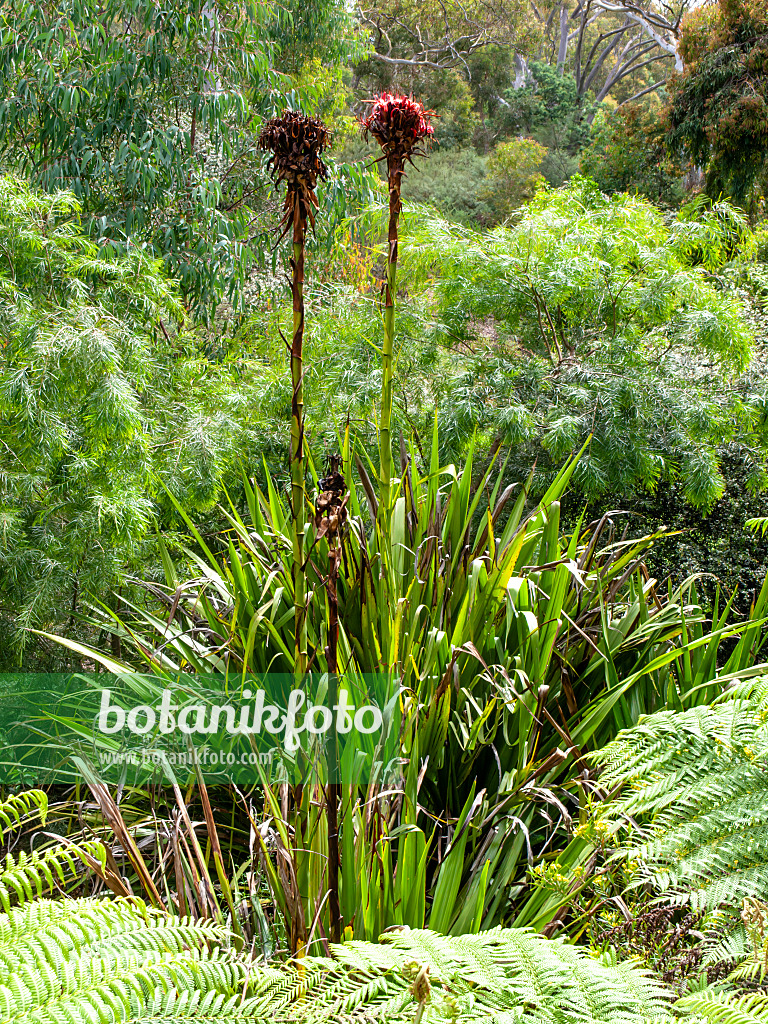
(627, 152)
(512, 174)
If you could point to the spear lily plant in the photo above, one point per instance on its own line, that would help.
(515, 649)
(296, 143)
(399, 124)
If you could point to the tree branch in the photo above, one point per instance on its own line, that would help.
(643, 92)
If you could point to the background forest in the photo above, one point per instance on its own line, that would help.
(541, 430)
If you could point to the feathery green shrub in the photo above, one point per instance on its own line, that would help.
(593, 316)
(101, 391)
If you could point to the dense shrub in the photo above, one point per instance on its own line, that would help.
(512, 175)
(453, 182)
(718, 109)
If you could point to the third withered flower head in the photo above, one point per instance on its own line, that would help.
(398, 123)
(296, 143)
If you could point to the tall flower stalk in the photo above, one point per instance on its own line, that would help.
(296, 143)
(398, 124)
(330, 522)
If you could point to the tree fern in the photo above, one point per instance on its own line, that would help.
(113, 960)
(502, 974)
(101, 960)
(698, 778)
(107, 960)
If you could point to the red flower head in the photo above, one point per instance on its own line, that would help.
(296, 142)
(398, 123)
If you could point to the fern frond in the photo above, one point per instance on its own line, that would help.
(15, 808)
(510, 975)
(55, 931)
(115, 987)
(28, 875)
(100, 961)
(700, 778)
(725, 1007)
(103, 960)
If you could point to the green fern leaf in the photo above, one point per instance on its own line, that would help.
(14, 809)
(698, 779)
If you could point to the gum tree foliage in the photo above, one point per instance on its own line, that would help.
(409, 35)
(101, 394)
(547, 103)
(120, 101)
(718, 111)
(592, 316)
(309, 30)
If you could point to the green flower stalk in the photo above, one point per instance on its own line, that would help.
(296, 143)
(399, 124)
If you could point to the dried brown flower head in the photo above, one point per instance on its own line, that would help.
(399, 124)
(331, 504)
(296, 143)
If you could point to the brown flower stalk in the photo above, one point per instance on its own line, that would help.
(399, 124)
(296, 143)
(330, 522)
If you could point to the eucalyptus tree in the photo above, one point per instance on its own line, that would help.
(604, 42)
(142, 112)
(411, 36)
(718, 111)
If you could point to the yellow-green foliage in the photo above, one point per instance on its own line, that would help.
(24, 875)
(512, 174)
(16, 807)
